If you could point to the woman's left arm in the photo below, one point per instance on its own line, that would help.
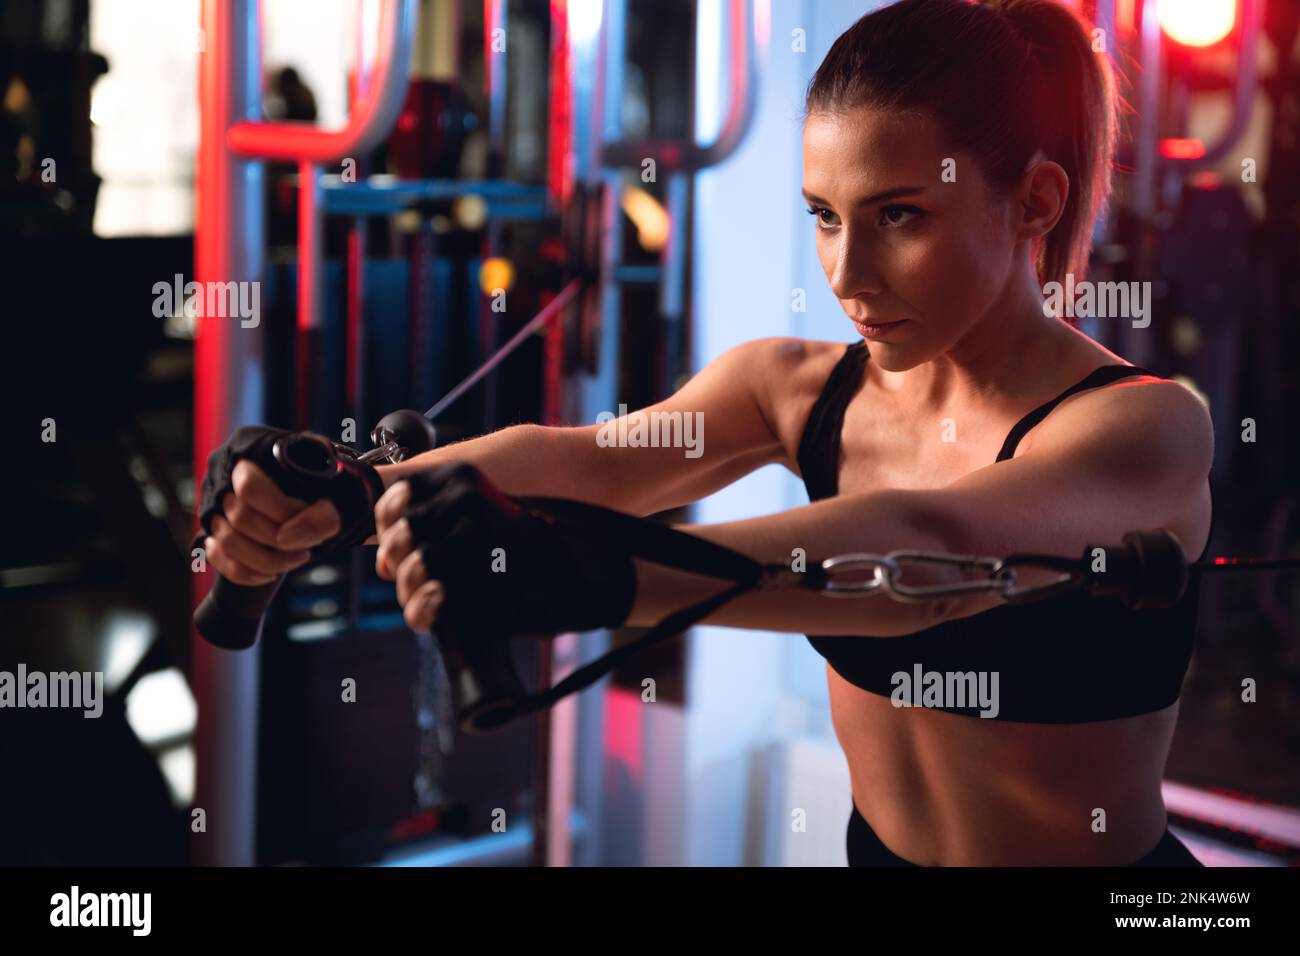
(1128, 457)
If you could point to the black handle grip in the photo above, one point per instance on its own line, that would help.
(230, 616)
(1148, 572)
(486, 691)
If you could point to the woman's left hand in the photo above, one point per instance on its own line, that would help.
(466, 555)
(398, 559)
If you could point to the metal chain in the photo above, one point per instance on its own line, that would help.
(887, 576)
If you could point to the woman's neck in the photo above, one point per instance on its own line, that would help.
(1013, 350)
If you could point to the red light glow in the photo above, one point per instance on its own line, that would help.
(1182, 148)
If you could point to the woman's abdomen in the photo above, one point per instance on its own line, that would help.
(941, 788)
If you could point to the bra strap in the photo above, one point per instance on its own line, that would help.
(819, 448)
(1095, 379)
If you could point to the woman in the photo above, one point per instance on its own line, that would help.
(955, 158)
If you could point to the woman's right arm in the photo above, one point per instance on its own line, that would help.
(266, 533)
(714, 430)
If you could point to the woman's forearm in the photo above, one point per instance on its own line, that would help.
(525, 459)
(538, 460)
(876, 522)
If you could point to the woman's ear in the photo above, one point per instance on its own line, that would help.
(1042, 195)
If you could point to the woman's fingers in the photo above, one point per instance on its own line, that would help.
(316, 523)
(262, 512)
(248, 521)
(421, 611)
(248, 556)
(396, 560)
(411, 574)
(230, 569)
(394, 547)
(391, 506)
(242, 545)
(256, 489)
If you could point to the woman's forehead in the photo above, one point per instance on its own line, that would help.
(867, 150)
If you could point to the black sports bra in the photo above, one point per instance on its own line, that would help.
(1072, 659)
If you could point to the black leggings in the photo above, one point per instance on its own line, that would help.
(865, 848)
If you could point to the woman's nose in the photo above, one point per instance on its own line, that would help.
(853, 272)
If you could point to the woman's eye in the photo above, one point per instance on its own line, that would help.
(819, 212)
(898, 215)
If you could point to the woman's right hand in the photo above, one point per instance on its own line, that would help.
(255, 525)
(261, 533)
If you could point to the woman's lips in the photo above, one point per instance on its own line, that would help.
(874, 330)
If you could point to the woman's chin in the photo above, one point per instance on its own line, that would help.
(893, 358)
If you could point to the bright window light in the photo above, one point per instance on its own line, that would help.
(160, 707)
(584, 20)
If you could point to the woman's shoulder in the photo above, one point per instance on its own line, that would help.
(791, 348)
(786, 375)
(790, 362)
(1142, 393)
(1163, 413)
(781, 369)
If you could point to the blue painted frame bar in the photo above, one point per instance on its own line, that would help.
(383, 195)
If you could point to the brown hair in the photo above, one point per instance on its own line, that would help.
(1003, 79)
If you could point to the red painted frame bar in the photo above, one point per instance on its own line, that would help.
(229, 246)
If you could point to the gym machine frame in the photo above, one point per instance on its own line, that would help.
(229, 246)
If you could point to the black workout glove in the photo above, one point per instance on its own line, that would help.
(353, 489)
(556, 577)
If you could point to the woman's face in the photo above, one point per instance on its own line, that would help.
(907, 232)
